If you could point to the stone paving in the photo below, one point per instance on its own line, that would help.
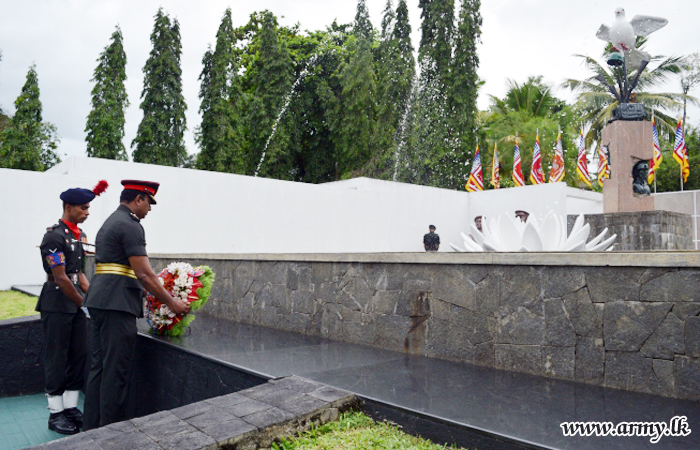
(249, 419)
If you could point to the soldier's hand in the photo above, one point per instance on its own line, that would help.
(180, 306)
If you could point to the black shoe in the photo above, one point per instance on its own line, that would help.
(59, 423)
(75, 416)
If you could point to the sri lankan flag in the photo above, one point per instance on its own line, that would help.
(603, 165)
(655, 161)
(495, 168)
(476, 177)
(680, 151)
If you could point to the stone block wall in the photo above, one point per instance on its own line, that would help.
(627, 321)
(644, 230)
(22, 347)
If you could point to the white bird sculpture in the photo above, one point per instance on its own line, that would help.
(622, 34)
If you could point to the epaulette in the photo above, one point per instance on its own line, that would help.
(52, 227)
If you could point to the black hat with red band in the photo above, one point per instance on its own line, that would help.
(149, 187)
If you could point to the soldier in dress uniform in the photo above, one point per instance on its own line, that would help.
(115, 301)
(63, 321)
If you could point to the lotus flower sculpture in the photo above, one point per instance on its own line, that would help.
(506, 234)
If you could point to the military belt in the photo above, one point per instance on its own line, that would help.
(115, 269)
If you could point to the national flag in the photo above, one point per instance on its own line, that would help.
(603, 165)
(476, 177)
(536, 174)
(655, 161)
(557, 172)
(518, 179)
(680, 151)
(495, 168)
(582, 161)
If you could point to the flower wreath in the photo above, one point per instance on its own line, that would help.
(181, 280)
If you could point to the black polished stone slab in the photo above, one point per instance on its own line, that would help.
(504, 405)
(33, 290)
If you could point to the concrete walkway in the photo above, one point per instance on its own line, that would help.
(510, 405)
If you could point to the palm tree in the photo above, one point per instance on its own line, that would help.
(532, 97)
(595, 102)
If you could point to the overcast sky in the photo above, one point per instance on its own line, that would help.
(520, 38)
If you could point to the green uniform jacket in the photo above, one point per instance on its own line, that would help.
(120, 237)
(60, 247)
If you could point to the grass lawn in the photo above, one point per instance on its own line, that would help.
(16, 304)
(356, 431)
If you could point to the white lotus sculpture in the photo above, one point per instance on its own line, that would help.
(506, 234)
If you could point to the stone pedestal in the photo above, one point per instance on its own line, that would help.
(628, 143)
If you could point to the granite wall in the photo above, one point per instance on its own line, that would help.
(21, 356)
(627, 321)
(644, 230)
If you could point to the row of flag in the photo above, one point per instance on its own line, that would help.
(476, 179)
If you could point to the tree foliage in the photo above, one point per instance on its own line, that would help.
(220, 135)
(105, 123)
(159, 139)
(29, 143)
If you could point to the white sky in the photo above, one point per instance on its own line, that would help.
(520, 38)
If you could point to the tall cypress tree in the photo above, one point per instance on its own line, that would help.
(432, 131)
(29, 144)
(464, 90)
(159, 139)
(358, 124)
(273, 78)
(105, 123)
(396, 70)
(220, 136)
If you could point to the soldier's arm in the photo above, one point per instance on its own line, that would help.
(64, 283)
(149, 280)
(84, 283)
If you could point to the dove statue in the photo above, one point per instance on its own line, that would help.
(622, 34)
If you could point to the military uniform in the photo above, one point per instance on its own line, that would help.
(114, 301)
(63, 321)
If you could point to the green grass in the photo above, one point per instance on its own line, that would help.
(356, 431)
(16, 304)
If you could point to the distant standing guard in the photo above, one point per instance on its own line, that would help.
(115, 301)
(431, 241)
(64, 323)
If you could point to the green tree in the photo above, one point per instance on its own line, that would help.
(105, 123)
(159, 139)
(362, 27)
(432, 140)
(690, 78)
(359, 108)
(272, 78)
(29, 144)
(220, 136)
(464, 90)
(395, 75)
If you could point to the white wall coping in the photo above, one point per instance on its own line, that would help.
(687, 258)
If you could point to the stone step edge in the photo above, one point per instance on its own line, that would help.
(249, 419)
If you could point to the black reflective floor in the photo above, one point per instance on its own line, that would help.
(514, 405)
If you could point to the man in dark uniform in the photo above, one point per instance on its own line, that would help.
(63, 321)
(431, 241)
(115, 301)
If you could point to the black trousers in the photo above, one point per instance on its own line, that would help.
(113, 340)
(66, 351)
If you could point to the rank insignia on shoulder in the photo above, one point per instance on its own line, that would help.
(52, 227)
